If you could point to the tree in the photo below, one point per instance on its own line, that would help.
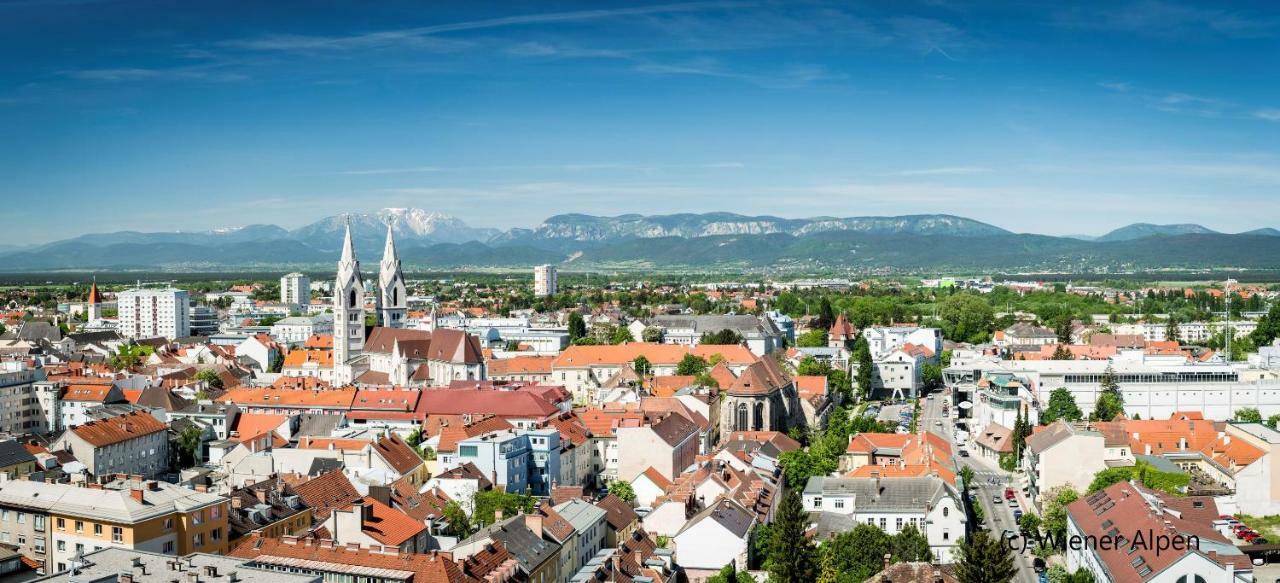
(642, 365)
(704, 379)
(1248, 415)
(791, 556)
(189, 444)
(456, 518)
(801, 464)
(984, 559)
(577, 326)
(651, 334)
(489, 502)
(730, 574)
(691, 365)
(931, 375)
(855, 555)
(1273, 420)
(725, 336)
(1171, 330)
(1268, 327)
(621, 334)
(966, 318)
(966, 476)
(1110, 400)
(1062, 405)
(866, 369)
(1063, 353)
(910, 545)
(623, 490)
(826, 315)
(1055, 510)
(815, 338)
(1030, 522)
(210, 377)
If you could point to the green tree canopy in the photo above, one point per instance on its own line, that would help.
(691, 365)
(1062, 405)
(791, 556)
(812, 339)
(985, 559)
(1248, 415)
(642, 365)
(966, 318)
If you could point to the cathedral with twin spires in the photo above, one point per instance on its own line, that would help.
(389, 353)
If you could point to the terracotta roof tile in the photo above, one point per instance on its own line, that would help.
(118, 429)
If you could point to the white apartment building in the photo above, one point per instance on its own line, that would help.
(297, 329)
(1153, 387)
(928, 503)
(295, 289)
(1188, 332)
(150, 313)
(545, 280)
(883, 340)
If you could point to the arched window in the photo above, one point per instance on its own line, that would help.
(945, 511)
(759, 417)
(395, 296)
(741, 424)
(351, 298)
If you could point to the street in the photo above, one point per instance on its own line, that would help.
(990, 480)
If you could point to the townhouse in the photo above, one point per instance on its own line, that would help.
(583, 370)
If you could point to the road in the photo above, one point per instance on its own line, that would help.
(991, 481)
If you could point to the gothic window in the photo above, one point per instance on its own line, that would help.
(759, 417)
(351, 298)
(395, 296)
(742, 418)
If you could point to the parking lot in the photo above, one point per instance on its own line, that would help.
(896, 414)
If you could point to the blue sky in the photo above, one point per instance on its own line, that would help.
(188, 115)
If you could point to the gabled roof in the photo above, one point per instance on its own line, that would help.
(327, 492)
(397, 453)
(119, 429)
(520, 365)
(325, 556)
(161, 398)
(618, 512)
(13, 453)
(763, 377)
(727, 514)
(388, 525)
(254, 424)
(518, 403)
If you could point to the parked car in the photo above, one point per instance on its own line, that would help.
(964, 453)
(1008, 494)
(1017, 514)
(995, 499)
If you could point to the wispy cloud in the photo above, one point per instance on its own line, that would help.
(790, 77)
(424, 36)
(141, 74)
(1267, 114)
(567, 167)
(1176, 102)
(941, 171)
(1162, 19)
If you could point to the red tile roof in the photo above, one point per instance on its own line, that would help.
(119, 429)
(434, 567)
(518, 403)
(388, 525)
(326, 492)
(520, 365)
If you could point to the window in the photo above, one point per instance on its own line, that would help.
(216, 534)
(839, 503)
(466, 451)
(168, 524)
(945, 511)
(198, 540)
(197, 517)
(22, 539)
(79, 526)
(22, 518)
(4, 537)
(62, 524)
(897, 525)
(215, 513)
(117, 534)
(97, 530)
(80, 548)
(61, 545)
(946, 535)
(39, 521)
(817, 501)
(168, 547)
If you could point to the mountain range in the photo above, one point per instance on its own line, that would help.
(659, 242)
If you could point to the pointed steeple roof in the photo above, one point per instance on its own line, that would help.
(348, 248)
(94, 296)
(389, 252)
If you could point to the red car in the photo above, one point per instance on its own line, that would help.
(1008, 494)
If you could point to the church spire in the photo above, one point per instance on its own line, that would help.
(348, 248)
(392, 303)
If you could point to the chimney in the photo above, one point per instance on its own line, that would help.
(533, 521)
(193, 577)
(232, 577)
(888, 559)
(125, 578)
(136, 494)
(236, 502)
(202, 488)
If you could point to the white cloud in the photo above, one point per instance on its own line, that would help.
(941, 171)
